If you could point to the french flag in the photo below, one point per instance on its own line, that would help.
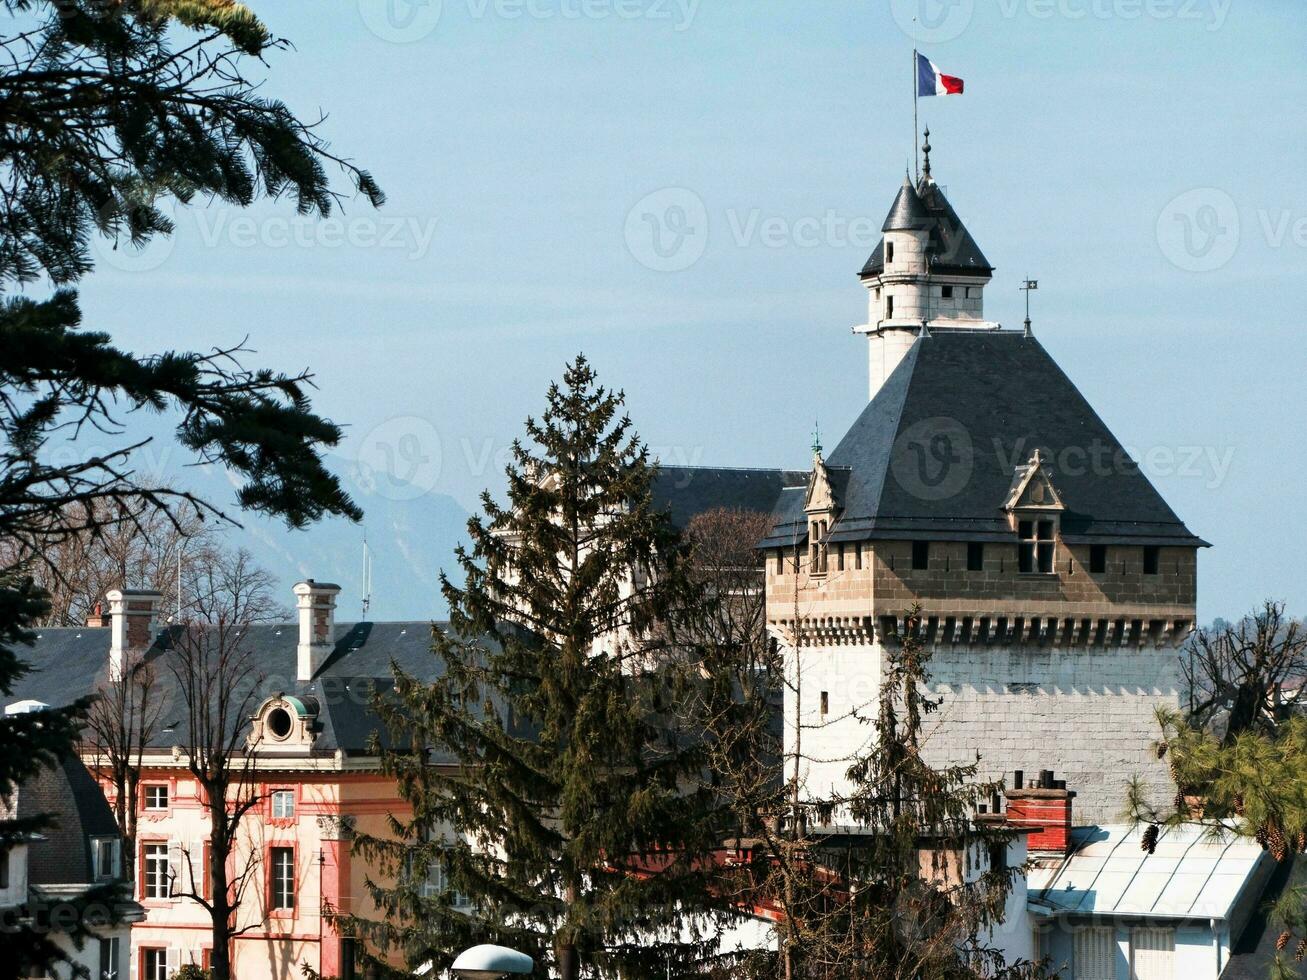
(932, 81)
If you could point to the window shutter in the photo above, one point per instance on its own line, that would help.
(1095, 954)
(174, 960)
(176, 874)
(1152, 954)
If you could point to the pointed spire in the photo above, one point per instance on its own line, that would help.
(816, 440)
(925, 166)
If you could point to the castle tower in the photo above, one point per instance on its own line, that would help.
(978, 485)
(926, 270)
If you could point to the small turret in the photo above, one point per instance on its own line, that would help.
(927, 273)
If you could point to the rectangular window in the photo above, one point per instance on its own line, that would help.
(998, 857)
(109, 952)
(839, 557)
(920, 555)
(1036, 547)
(281, 870)
(975, 556)
(155, 869)
(889, 252)
(1094, 952)
(889, 307)
(1152, 556)
(283, 803)
(825, 703)
(154, 963)
(156, 797)
(857, 555)
(4, 869)
(946, 292)
(780, 561)
(1098, 558)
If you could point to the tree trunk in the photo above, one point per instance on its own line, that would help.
(220, 912)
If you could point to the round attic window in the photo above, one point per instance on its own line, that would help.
(279, 723)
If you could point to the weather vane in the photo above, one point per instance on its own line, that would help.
(1026, 287)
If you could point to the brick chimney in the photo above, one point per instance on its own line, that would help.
(133, 621)
(1045, 808)
(316, 604)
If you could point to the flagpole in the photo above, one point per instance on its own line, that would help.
(916, 160)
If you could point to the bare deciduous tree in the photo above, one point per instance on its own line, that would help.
(217, 682)
(1238, 675)
(123, 721)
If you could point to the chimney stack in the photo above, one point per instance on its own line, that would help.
(133, 622)
(1044, 808)
(316, 605)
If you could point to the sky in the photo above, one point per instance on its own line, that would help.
(685, 190)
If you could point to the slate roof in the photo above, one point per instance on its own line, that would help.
(69, 795)
(932, 455)
(1188, 876)
(68, 663)
(952, 250)
(687, 491)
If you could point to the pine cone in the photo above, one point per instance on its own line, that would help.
(1282, 941)
(1262, 837)
(1279, 847)
(1300, 953)
(1302, 840)
(1149, 840)
(1238, 804)
(1161, 750)
(1181, 806)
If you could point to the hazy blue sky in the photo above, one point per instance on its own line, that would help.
(515, 139)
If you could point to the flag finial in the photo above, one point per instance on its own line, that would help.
(925, 149)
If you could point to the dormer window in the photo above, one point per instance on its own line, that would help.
(106, 852)
(285, 723)
(1035, 550)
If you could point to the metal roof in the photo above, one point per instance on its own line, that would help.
(1190, 875)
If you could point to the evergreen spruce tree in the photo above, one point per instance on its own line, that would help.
(575, 824)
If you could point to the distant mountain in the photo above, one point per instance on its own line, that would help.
(411, 535)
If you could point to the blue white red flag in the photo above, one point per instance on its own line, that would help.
(932, 81)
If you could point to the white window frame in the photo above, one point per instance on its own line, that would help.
(281, 878)
(145, 797)
(154, 963)
(283, 800)
(156, 870)
(111, 846)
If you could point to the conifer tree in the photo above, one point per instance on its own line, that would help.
(574, 824)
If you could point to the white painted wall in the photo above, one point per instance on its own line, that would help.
(1086, 713)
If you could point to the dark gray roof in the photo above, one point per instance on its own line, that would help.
(952, 250)
(687, 491)
(908, 212)
(68, 663)
(68, 794)
(984, 401)
(1254, 950)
